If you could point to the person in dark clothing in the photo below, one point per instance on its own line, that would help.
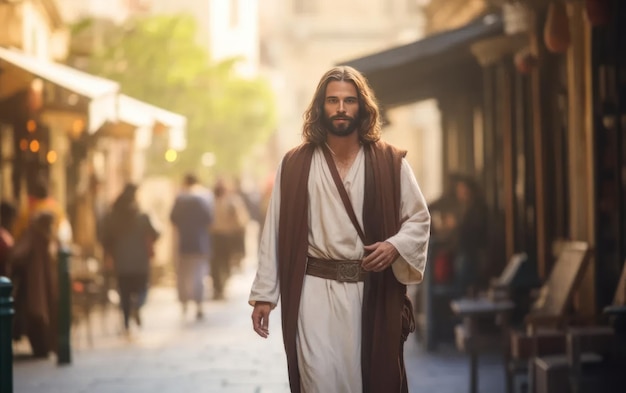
(470, 232)
(128, 238)
(33, 268)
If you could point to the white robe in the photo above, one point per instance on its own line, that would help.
(329, 321)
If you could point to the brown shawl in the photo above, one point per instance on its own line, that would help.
(387, 314)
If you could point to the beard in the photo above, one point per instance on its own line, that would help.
(342, 129)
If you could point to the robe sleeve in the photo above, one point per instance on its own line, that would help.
(265, 286)
(412, 239)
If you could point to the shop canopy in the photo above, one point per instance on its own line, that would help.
(423, 68)
(99, 94)
(147, 117)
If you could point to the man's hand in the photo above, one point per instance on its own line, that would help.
(261, 318)
(381, 256)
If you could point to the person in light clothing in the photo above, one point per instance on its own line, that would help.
(229, 224)
(192, 215)
(340, 265)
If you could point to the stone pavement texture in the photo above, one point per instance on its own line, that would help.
(221, 353)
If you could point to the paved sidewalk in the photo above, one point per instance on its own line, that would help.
(447, 371)
(221, 353)
(169, 354)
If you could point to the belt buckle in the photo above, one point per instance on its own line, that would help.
(348, 271)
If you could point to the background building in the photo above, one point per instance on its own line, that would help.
(301, 39)
(226, 28)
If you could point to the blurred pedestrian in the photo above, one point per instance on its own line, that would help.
(7, 215)
(444, 235)
(251, 197)
(347, 229)
(128, 239)
(40, 227)
(39, 201)
(231, 218)
(470, 233)
(34, 271)
(191, 215)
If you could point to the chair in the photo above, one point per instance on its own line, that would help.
(517, 280)
(543, 332)
(594, 356)
(471, 336)
(548, 310)
(512, 271)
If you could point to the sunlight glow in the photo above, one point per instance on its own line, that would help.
(171, 155)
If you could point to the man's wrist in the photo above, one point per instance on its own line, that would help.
(262, 303)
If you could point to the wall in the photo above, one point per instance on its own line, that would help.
(301, 39)
(234, 31)
(74, 10)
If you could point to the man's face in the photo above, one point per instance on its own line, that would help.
(341, 108)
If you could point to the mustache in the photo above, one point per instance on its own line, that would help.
(340, 117)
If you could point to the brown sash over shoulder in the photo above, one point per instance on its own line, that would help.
(385, 322)
(384, 300)
(293, 232)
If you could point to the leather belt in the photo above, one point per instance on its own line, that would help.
(331, 269)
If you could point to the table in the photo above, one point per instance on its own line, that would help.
(471, 309)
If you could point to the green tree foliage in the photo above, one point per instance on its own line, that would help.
(157, 60)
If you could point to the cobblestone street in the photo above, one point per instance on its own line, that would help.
(221, 353)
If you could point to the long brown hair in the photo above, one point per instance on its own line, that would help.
(369, 119)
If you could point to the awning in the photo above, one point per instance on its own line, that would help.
(421, 69)
(134, 121)
(99, 92)
(146, 116)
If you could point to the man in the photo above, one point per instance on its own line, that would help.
(192, 215)
(345, 313)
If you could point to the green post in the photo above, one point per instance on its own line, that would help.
(64, 351)
(6, 328)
